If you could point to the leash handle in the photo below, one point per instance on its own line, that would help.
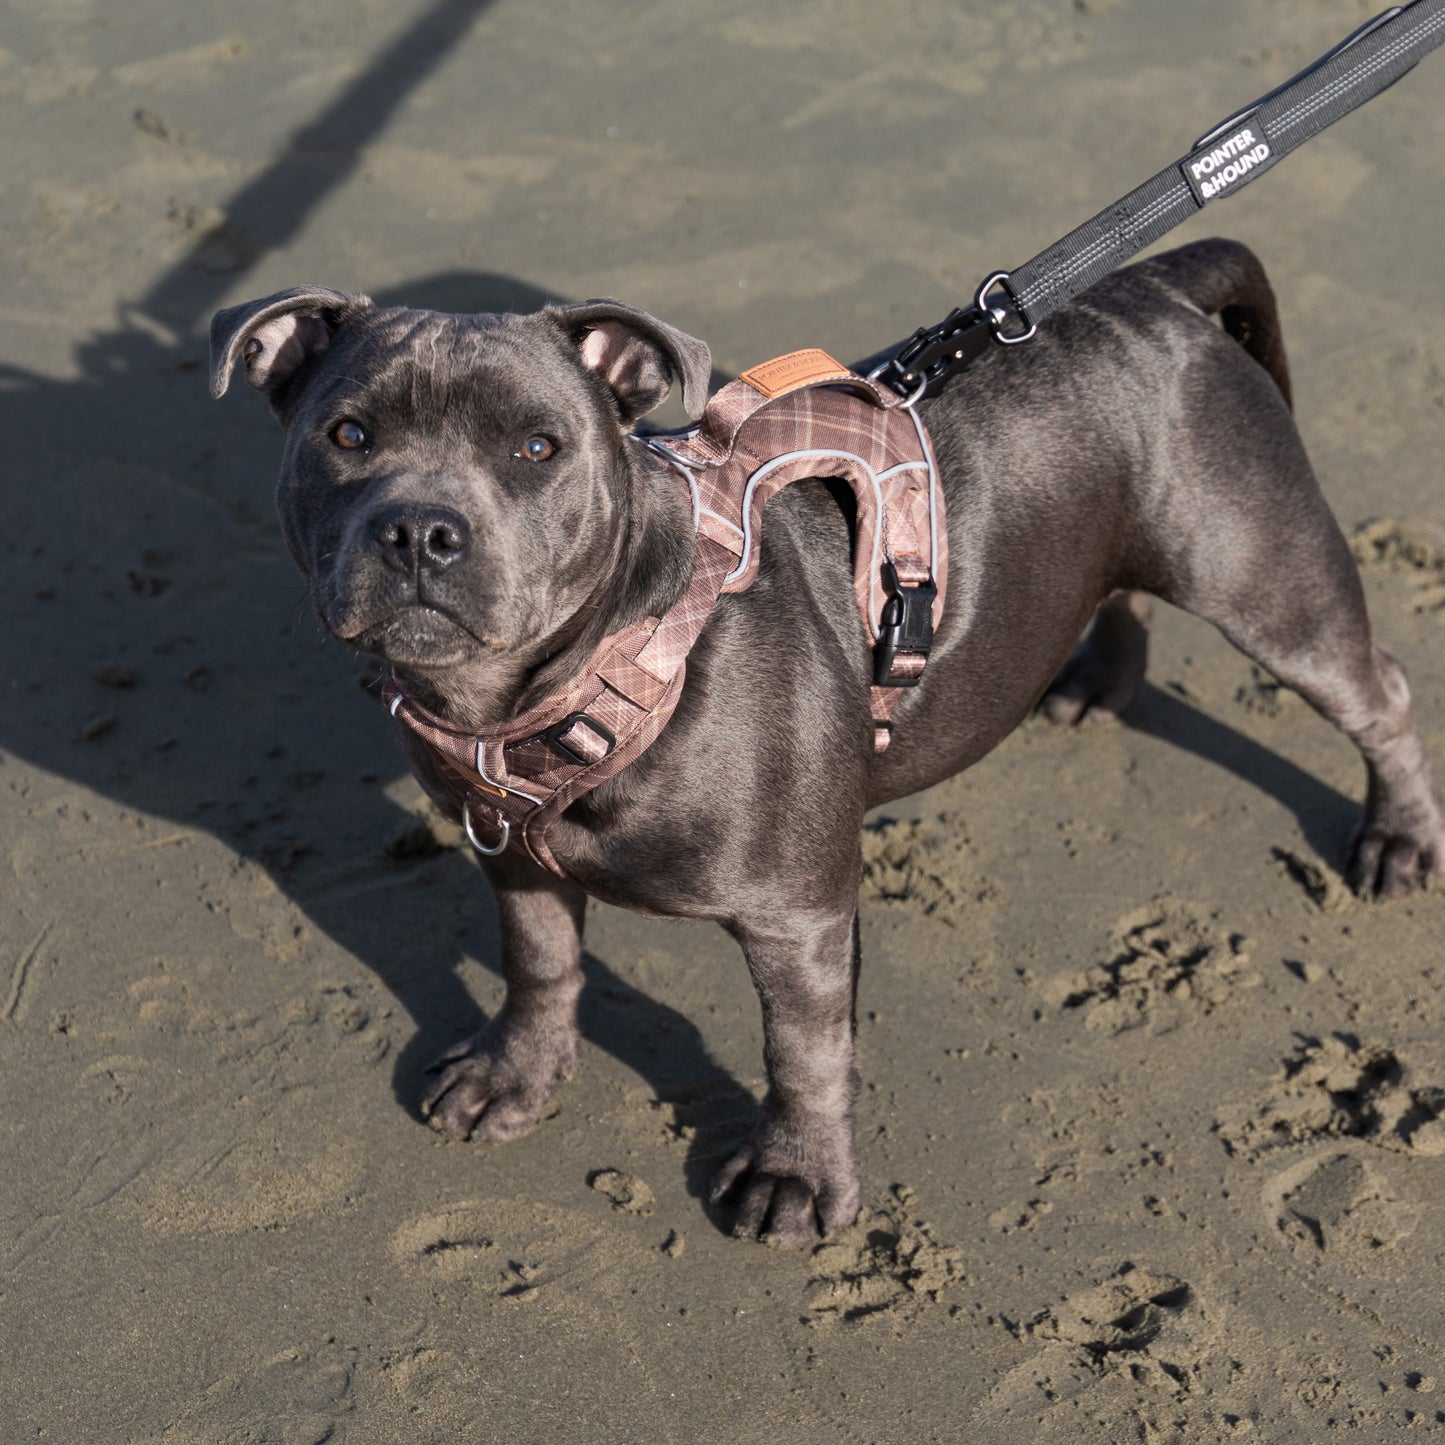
(1223, 160)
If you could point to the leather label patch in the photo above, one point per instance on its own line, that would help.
(797, 369)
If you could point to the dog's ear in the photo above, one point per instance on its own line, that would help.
(276, 335)
(637, 355)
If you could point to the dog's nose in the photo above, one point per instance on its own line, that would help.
(411, 537)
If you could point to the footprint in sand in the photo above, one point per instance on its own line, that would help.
(418, 1372)
(889, 1266)
(1337, 1204)
(1342, 1088)
(1264, 696)
(295, 1397)
(1321, 884)
(1126, 1315)
(1165, 958)
(626, 1191)
(926, 864)
(520, 1247)
(1141, 1346)
(1416, 549)
(448, 1242)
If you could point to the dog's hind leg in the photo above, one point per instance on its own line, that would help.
(1106, 670)
(1359, 687)
(1265, 562)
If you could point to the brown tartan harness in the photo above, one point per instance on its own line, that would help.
(802, 415)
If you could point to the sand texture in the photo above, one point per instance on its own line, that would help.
(1153, 1118)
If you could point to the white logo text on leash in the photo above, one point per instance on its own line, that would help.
(1213, 172)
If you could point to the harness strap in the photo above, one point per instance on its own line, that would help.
(512, 780)
(900, 586)
(786, 420)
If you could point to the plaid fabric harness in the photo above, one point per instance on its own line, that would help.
(802, 415)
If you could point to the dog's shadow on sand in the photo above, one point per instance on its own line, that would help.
(1326, 817)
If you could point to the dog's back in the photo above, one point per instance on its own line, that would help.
(1226, 279)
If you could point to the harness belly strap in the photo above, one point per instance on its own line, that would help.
(803, 415)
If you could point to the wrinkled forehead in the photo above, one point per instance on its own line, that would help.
(434, 364)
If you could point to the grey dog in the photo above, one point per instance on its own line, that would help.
(460, 494)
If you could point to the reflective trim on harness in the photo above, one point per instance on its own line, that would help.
(876, 479)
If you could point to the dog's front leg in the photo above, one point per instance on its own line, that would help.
(798, 1172)
(499, 1081)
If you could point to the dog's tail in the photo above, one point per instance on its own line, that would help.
(1225, 278)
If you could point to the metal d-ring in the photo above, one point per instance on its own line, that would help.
(476, 842)
(918, 391)
(995, 318)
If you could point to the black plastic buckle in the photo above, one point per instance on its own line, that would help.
(907, 626)
(554, 736)
(932, 354)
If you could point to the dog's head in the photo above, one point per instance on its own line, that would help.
(458, 490)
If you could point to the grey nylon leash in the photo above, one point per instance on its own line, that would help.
(1009, 305)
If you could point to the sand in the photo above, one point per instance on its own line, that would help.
(1153, 1128)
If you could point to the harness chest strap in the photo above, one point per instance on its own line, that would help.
(803, 415)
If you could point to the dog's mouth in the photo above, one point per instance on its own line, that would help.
(416, 635)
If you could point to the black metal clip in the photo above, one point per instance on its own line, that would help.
(932, 354)
(907, 626)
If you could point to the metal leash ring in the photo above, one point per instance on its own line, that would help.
(475, 841)
(996, 318)
(918, 390)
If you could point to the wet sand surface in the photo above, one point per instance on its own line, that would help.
(1153, 1125)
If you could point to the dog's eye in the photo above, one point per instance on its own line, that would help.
(537, 449)
(349, 435)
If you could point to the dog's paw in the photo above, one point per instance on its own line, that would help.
(1106, 670)
(1394, 860)
(791, 1183)
(497, 1083)
(1089, 690)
